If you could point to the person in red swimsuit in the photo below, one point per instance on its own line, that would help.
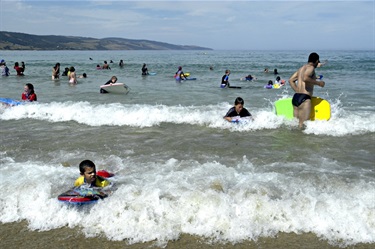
(19, 69)
(29, 94)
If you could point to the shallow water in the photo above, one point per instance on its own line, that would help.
(179, 167)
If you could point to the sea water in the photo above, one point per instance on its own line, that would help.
(179, 167)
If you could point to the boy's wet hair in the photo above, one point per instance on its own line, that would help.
(239, 100)
(86, 164)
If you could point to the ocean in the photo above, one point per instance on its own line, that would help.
(181, 171)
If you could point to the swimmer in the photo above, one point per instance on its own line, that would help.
(269, 85)
(113, 80)
(179, 74)
(237, 111)
(106, 66)
(225, 79)
(144, 69)
(56, 71)
(88, 176)
(28, 93)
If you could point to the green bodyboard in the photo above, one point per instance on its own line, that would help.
(284, 107)
(320, 108)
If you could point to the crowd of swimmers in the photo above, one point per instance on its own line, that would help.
(302, 82)
(302, 88)
(70, 72)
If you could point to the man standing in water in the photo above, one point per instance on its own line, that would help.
(306, 78)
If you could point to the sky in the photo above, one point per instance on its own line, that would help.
(220, 25)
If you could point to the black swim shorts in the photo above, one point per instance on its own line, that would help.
(299, 98)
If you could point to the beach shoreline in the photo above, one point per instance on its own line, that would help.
(16, 235)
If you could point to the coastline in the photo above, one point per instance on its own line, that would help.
(16, 235)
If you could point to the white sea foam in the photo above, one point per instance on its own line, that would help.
(159, 201)
(343, 122)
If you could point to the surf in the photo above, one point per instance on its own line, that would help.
(161, 200)
(343, 121)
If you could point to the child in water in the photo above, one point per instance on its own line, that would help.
(28, 93)
(113, 80)
(279, 81)
(88, 176)
(179, 75)
(225, 79)
(238, 112)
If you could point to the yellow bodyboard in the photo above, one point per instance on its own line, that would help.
(320, 108)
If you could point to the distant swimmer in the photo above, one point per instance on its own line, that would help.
(249, 78)
(279, 81)
(56, 72)
(302, 82)
(23, 66)
(28, 93)
(237, 112)
(106, 66)
(84, 75)
(72, 76)
(90, 59)
(179, 74)
(113, 80)
(121, 63)
(4, 69)
(322, 63)
(66, 72)
(144, 69)
(19, 69)
(225, 79)
(269, 85)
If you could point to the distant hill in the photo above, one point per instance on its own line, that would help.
(21, 41)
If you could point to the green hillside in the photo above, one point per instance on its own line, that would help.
(22, 41)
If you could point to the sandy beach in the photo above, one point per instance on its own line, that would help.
(17, 236)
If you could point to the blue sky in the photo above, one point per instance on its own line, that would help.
(229, 25)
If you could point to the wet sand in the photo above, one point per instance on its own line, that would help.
(18, 236)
